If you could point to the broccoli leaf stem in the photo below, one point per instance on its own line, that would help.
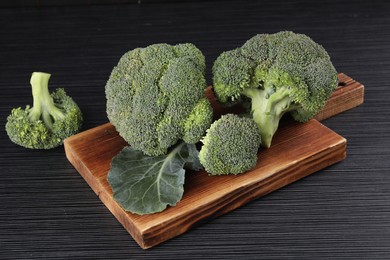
(44, 107)
(268, 107)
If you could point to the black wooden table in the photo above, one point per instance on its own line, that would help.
(48, 211)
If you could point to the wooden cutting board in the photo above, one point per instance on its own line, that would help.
(297, 151)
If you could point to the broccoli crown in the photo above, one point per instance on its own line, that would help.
(155, 97)
(230, 145)
(52, 118)
(277, 73)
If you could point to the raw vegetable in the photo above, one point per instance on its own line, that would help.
(230, 145)
(144, 184)
(52, 118)
(273, 74)
(155, 97)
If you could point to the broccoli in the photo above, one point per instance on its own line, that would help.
(52, 118)
(230, 145)
(155, 97)
(274, 74)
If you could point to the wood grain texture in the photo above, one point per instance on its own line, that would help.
(297, 151)
(349, 94)
(47, 210)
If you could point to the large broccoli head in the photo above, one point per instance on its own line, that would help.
(276, 73)
(155, 97)
(52, 118)
(230, 145)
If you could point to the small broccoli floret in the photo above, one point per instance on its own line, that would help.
(230, 145)
(51, 119)
(276, 74)
(155, 97)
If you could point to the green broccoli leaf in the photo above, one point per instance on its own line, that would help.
(144, 184)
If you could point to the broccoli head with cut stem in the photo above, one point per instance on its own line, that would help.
(155, 97)
(274, 74)
(52, 118)
(230, 145)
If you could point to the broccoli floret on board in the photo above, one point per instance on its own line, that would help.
(155, 97)
(274, 74)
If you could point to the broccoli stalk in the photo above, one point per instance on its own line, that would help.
(268, 106)
(43, 104)
(52, 118)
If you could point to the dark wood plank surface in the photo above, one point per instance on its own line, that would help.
(47, 211)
